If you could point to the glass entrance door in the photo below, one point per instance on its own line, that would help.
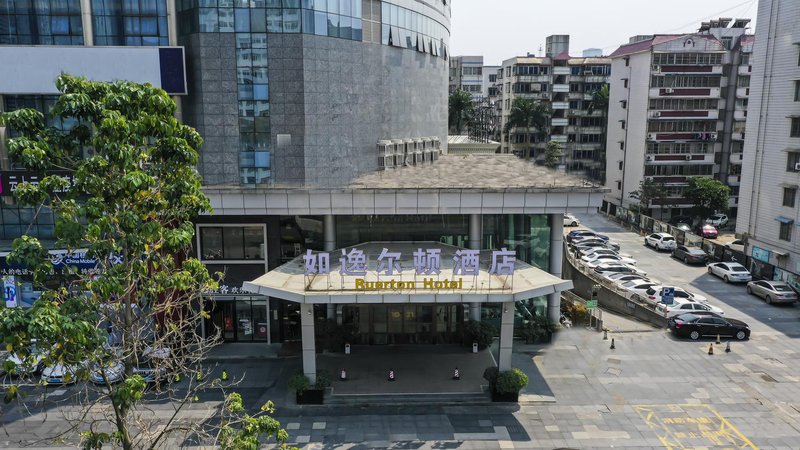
(405, 324)
(222, 319)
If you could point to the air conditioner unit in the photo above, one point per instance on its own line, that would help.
(651, 136)
(669, 91)
(797, 167)
(650, 179)
(656, 69)
(714, 136)
(656, 113)
(688, 157)
(648, 158)
(545, 95)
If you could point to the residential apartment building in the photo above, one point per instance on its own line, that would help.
(325, 131)
(565, 84)
(677, 110)
(466, 73)
(769, 211)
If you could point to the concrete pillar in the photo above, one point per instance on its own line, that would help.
(556, 255)
(475, 235)
(307, 336)
(506, 336)
(329, 244)
(5, 164)
(172, 23)
(86, 22)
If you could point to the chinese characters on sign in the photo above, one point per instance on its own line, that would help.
(424, 262)
(9, 179)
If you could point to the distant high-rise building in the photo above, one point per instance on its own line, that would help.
(677, 110)
(768, 205)
(565, 84)
(593, 53)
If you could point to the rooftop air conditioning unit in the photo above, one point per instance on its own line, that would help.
(669, 91)
(651, 136)
(797, 167)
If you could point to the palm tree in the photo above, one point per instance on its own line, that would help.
(460, 110)
(529, 114)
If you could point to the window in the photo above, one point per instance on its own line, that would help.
(797, 91)
(625, 83)
(622, 123)
(785, 232)
(788, 196)
(624, 104)
(231, 243)
(41, 23)
(622, 145)
(795, 131)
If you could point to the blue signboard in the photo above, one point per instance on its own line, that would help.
(668, 295)
(760, 254)
(60, 259)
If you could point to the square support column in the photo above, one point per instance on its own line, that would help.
(307, 336)
(329, 245)
(475, 235)
(556, 255)
(506, 336)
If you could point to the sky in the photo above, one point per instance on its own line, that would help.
(502, 29)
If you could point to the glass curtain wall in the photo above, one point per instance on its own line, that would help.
(41, 22)
(130, 22)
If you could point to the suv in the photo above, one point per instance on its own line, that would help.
(718, 220)
(661, 241)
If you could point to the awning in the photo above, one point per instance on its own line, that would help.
(784, 219)
(290, 281)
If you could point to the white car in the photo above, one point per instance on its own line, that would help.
(682, 306)
(661, 241)
(730, 272)
(615, 267)
(592, 252)
(61, 373)
(593, 261)
(571, 221)
(114, 372)
(31, 366)
(594, 242)
(655, 294)
(620, 278)
(637, 289)
(718, 220)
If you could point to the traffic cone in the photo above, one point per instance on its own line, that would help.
(343, 375)
(718, 341)
(605, 335)
(224, 375)
(612, 344)
(710, 349)
(456, 374)
(728, 347)
(391, 375)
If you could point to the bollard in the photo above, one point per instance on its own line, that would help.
(718, 341)
(612, 344)
(605, 335)
(456, 375)
(391, 375)
(710, 349)
(474, 347)
(343, 375)
(346, 349)
(728, 347)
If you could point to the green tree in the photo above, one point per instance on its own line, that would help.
(552, 154)
(242, 431)
(134, 195)
(460, 110)
(650, 192)
(527, 114)
(599, 100)
(708, 196)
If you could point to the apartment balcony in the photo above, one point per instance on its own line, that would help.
(669, 180)
(737, 136)
(587, 96)
(733, 202)
(575, 96)
(740, 115)
(742, 92)
(745, 70)
(683, 69)
(683, 137)
(734, 180)
(561, 70)
(685, 114)
(561, 138)
(736, 158)
(559, 105)
(559, 122)
(685, 92)
(672, 159)
(592, 130)
(561, 88)
(530, 78)
(596, 79)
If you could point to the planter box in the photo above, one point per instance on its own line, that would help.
(506, 398)
(310, 397)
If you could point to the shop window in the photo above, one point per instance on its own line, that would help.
(232, 243)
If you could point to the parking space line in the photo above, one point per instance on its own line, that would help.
(686, 426)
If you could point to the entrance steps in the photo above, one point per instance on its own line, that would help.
(450, 398)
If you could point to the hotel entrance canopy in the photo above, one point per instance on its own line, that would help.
(409, 276)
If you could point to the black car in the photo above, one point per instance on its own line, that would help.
(696, 325)
(675, 220)
(690, 254)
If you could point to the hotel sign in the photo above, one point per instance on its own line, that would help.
(426, 263)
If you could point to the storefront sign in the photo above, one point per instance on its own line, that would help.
(9, 179)
(10, 291)
(427, 263)
(760, 254)
(60, 259)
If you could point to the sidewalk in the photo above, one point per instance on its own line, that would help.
(241, 351)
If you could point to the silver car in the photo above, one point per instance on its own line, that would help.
(772, 291)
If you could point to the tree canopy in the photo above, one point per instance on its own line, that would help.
(129, 199)
(708, 195)
(552, 154)
(460, 110)
(528, 114)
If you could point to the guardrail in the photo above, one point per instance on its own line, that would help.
(610, 295)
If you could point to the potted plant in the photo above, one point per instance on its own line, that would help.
(508, 384)
(305, 393)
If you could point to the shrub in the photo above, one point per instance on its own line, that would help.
(490, 375)
(323, 379)
(511, 381)
(538, 328)
(299, 383)
(479, 332)
(577, 312)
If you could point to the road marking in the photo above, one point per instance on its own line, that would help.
(687, 426)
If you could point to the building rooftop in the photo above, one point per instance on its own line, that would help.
(495, 172)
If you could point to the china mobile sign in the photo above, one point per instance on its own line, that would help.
(423, 274)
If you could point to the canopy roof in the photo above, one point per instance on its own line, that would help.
(289, 281)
